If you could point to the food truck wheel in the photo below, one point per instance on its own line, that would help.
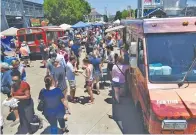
(141, 119)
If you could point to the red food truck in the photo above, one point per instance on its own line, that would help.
(162, 73)
(33, 35)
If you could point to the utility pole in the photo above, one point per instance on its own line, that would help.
(142, 8)
(106, 12)
(138, 8)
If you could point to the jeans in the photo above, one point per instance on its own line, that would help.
(53, 123)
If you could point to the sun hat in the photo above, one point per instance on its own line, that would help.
(5, 65)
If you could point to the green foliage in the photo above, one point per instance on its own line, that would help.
(105, 18)
(118, 15)
(65, 11)
(125, 14)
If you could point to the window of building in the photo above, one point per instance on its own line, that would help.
(141, 62)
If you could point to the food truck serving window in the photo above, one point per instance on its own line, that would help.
(170, 56)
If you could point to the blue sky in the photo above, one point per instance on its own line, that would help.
(115, 5)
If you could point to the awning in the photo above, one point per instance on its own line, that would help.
(114, 28)
(117, 22)
(65, 26)
(9, 32)
(80, 25)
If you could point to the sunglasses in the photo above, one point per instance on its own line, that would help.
(15, 81)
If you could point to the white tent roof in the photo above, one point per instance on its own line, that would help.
(65, 26)
(102, 22)
(114, 28)
(117, 22)
(10, 32)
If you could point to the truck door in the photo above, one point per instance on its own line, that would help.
(141, 79)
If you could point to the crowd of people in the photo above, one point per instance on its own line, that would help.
(62, 62)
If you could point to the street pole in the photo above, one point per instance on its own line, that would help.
(142, 8)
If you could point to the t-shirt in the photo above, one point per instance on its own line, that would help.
(52, 102)
(95, 62)
(42, 47)
(21, 91)
(76, 49)
(62, 62)
(50, 67)
(70, 71)
(24, 51)
(117, 75)
(59, 75)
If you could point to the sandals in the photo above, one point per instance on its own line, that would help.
(98, 92)
(92, 102)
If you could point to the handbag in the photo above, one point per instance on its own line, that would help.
(11, 116)
(40, 106)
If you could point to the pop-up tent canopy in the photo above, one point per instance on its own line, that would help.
(97, 24)
(80, 25)
(114, 28)
(65, 26)
(117, 22)
(10, 32)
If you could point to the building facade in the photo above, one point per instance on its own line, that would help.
(17, 13)
(95, 16)
(170, 7)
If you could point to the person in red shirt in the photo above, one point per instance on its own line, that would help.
(21, 90)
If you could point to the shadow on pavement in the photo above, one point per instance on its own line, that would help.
(48, 131)
(126, 116)
(108, 100)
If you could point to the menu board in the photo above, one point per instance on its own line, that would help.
(35, 22)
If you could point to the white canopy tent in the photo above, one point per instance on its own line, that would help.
(117, 22)
(102, 22)
(114, 28)
(65, 26)
(9, 32)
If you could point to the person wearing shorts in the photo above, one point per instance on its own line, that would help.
(89, 78)
(60, 78)
(25, 52)
(97, 72)
(70, 74)
(110, 60)
(118, 78)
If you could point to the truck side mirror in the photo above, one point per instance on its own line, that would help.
(133, 53)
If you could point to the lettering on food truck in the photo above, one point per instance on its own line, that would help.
(167, 102)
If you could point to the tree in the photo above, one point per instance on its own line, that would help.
(133, 13)
(105, 18)
(65, 11)
(125, 14)
(118, 15)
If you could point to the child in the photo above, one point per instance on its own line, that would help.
(89, 78)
